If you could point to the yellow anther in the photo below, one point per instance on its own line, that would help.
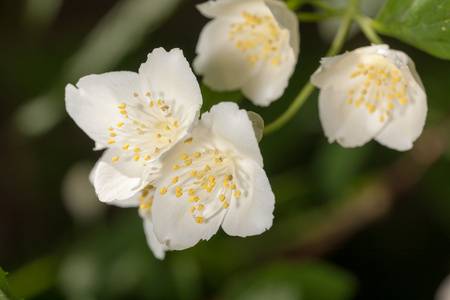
(120, 124)
(139, 131)
(192, 209)
(371, 75)
(175, 167)
(379, 70)
(359, 101)
(148, 94)
(275, 61)
(397, 95)
(200, 207)
(381, 118)
(350, 92)
(125, 147)
(175, 179)
(225, 205)
(135, 95)
(156, 150)
(363, 92)
(390, 105)
(184, 156)
(147, 157)
(163, 191)
(208, 189)
(191, 192)
(199, 220)
(395, 72)
(222, 198)
(111, 142)
(197, 154)
(175, 124)
(207, 168)
(136, 157)
(371, 68)
(178, 194)
(355, 74)
(189, 140)
(226, 183)
(402, 93)
(136, 149)
(212, 184)
(392, 88)
(216, 151)
(188, 162)
(193, 173)
(390, 96)
(211, 178)
(194, 199)
(403, 100)
(367, 83)
(237, 194)
(150, 104)
(218, 159)
(159, 102)
(350, 101)
(203, 185)
(167, 128)
(378, 82)
(123, 112)
(112, 134)
(114, 159)
(158, 136)
(233, 186)
(178, 189)
(361, 65)
(110, 128)
(376, 96)
(122, 106)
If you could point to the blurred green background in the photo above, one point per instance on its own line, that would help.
(365, 223)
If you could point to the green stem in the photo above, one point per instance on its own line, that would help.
(313, 17)
(308, 88)
(365, 23)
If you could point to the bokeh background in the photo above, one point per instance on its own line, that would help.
(365, 223)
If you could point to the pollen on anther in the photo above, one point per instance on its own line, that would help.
(125, 147)
(112, 134)
(192, 209)
(175, 167)
(147, 157)
(163, 191)
(184, 156)
(136, 157)
(226, 205)
(197, 154)
(110, 128)
(111, 142)
(175, 179)
(123, 112)
(403, 100)
(200, 207)
(222, 198)
(199, 220)
(188, 162)
(237, 194)
(175, 124)
(135, 95)
(114, 159)
(120, 124)
(136, 149)
(122, 106)
(191, 192)
(156, 150)
(150, 104)
(189, 140)
(158, 136)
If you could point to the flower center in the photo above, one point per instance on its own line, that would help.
(379, 86)
(146, 128)
(259, 38)
(206, 178)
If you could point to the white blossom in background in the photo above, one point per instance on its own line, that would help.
(250, 45)
(371, 93)
(137, 117)
(213, 178)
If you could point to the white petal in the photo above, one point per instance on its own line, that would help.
(158, 249)
(350, 126)
(93, 103)
(231, 130)
(252, 212)
(167, 76)
(129, 202)
(175, 226)
(223, 66)
(227, 8)
(118, 180)
(269, 84)
(406, 125)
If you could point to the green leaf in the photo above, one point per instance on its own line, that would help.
(308, 280)
(5, 291)
(424, 24)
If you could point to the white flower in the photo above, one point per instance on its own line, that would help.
(371, 92)
(136, 117)
(250, 45)
(213, 178)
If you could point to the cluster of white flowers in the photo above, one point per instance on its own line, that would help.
(190, 175)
